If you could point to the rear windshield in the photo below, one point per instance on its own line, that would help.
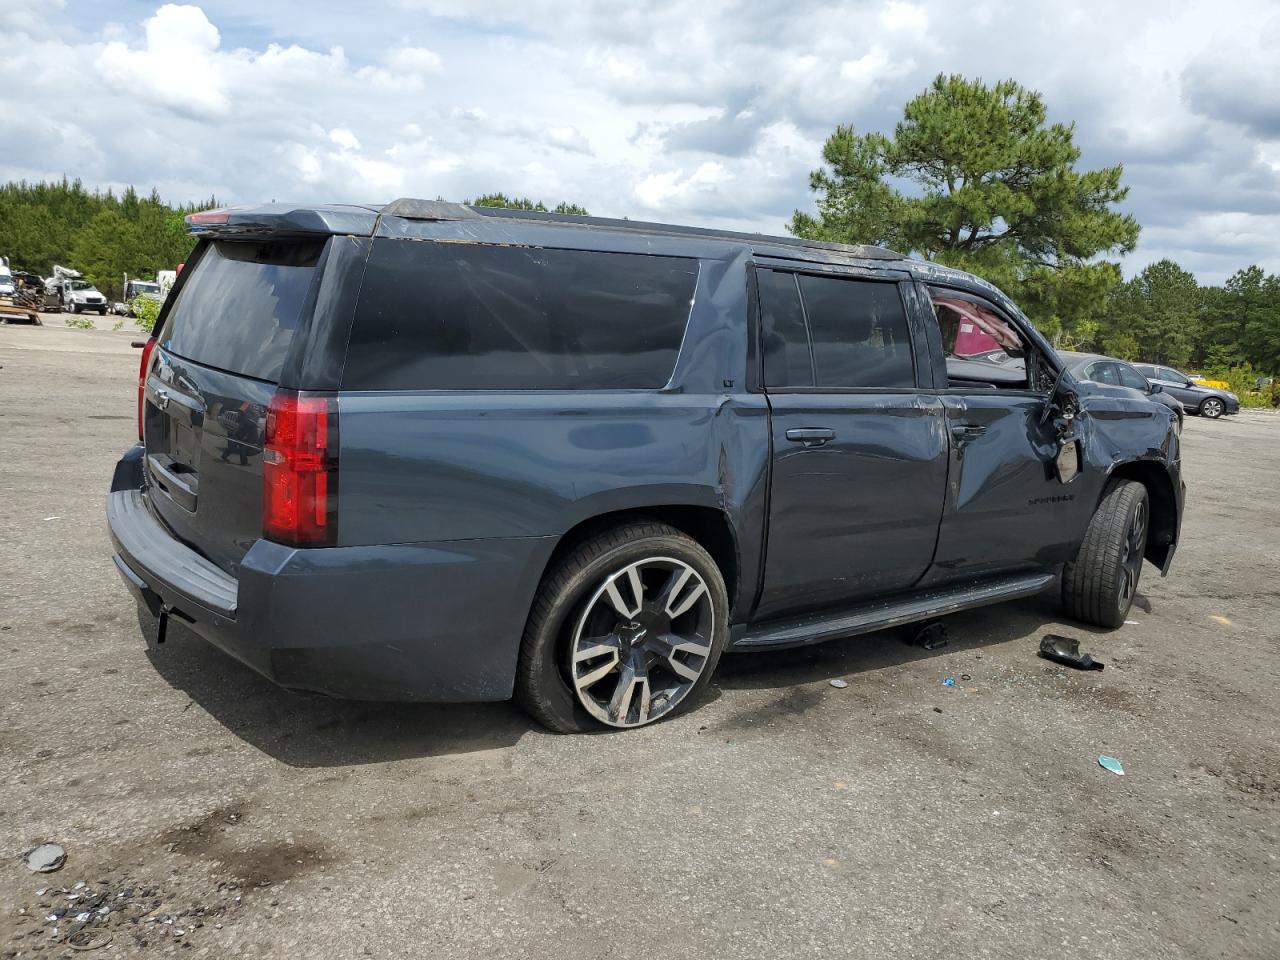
(241, 305)
(447, 316)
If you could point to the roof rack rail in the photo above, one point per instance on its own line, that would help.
(410, 209)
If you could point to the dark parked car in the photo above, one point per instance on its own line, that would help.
(1111, 372)
(435, 452)
(1207, 401)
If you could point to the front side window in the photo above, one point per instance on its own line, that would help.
(1174, 377)
(1130, 377)
(981, 347)
(451, 316)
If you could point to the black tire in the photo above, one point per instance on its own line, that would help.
(75, 308)
(1099, 585)
(543, 685)
(1212, 408)
(102, 312)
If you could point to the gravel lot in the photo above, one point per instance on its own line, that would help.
(783, 818)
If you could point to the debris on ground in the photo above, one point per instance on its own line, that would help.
(128, 914)
(46, 858)
(948, 681)
(1220, 620)
(839, 684)
(1067, 650)
(931, 636)
(1112, 764)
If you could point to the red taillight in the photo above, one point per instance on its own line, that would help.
(208, 217)
(300, 470)
(143, 369)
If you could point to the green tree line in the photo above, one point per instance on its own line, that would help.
(102, 235)
(975, 177)
(1164, 315)
(105, 236)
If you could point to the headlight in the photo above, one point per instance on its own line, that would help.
(1232, 395)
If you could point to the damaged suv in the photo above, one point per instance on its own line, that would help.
(434, 452)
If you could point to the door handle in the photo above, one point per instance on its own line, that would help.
(810, 436)
(967, 433)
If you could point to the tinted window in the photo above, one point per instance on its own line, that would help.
(1103, 373)
(859, 331)
(241, 305)
(1173, 376)
(1130, 377)
(1146, 371)
(447, 316)
(786, 341)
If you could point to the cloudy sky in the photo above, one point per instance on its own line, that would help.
(709, 112)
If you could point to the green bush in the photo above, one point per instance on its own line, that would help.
(1242, 380)
(145, 309)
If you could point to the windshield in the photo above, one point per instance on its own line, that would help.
(141, 288)
(80, 285)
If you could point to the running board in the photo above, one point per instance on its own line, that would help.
(882, 614)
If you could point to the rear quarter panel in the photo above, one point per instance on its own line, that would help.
(428, 466)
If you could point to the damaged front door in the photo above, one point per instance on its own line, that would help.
(1007, 506)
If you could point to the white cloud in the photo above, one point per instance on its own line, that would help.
(711, 114)
(176, 68)
(344, 138)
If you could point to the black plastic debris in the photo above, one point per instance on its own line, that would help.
(1066, 650)
(929, 637)
(46, 858)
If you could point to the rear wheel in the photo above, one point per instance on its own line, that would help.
(1212, 408)
(1099, 585)
(625, 631)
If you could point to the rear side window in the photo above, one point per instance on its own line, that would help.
(445, 316)
(1103, 373)
(242, 304)
(859, 331)
(833, 333)
(787, 360)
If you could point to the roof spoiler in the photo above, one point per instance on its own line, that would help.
(282, 220)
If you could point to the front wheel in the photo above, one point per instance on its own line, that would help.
(1099, 585)
(1212, 408)
(75, 308)
(625, 631)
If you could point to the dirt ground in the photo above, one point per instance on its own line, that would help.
(212, 814)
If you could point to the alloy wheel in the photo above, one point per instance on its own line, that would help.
(1135, 542)
(642, 642)
(1212, 408)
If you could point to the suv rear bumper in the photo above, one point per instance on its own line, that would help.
(420, 621)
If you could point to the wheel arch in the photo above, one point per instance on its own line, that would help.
(1163, 534)
(709, 526)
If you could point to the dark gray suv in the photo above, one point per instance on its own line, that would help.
(435, 452)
